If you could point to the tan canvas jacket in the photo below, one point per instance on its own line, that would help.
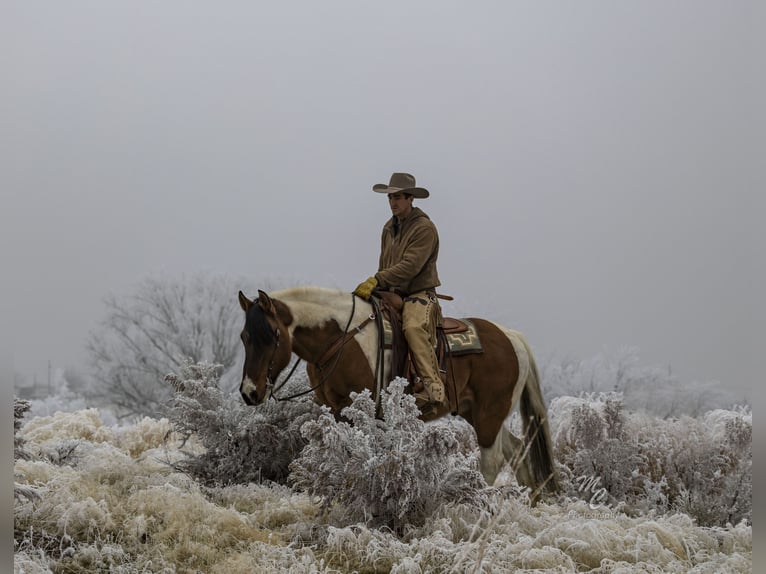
(408, 259)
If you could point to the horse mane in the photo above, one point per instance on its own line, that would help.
(314, 306)
(258, 327)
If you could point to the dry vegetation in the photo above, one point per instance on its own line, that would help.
(219, 487)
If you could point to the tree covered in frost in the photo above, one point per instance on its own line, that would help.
(241, 443)
(391, 472)
(154, 330)
(700, 466)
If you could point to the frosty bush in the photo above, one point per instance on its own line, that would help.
(389, 472)
(702, 466)
(242, 443)
(20, 408)
(646, 388)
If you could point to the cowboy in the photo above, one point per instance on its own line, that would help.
(409, 248)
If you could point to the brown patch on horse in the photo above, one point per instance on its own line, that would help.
(342, 375)
(482, 385)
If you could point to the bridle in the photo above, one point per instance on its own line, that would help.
(272, 388)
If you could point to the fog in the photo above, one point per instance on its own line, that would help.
(592, 166)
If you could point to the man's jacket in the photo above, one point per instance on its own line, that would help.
(408, 253)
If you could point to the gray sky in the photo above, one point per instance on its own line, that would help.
(592, 164)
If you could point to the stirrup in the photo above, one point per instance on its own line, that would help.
(428, 407)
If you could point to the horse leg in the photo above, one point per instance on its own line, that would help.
(320, 397)
(326, 395)
(506, 448)
(514, 453)
(486, 417)
(492, 459)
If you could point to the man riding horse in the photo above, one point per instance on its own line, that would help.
(409, 248)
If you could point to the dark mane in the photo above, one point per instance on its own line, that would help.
(258, 328)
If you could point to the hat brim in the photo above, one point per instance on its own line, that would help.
(419, 192)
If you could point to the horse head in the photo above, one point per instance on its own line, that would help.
(267, 346)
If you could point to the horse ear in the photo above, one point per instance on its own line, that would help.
(264, 302)
(244, 302)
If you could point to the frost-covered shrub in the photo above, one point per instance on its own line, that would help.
(644, 388)
(590, 436)
(709, 474)
(702, 466)
(242, 443)
(20, 407)
(393, 471)
(66, 392)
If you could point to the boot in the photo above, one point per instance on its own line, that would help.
(432, 395)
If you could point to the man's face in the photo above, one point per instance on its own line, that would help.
(400, 204)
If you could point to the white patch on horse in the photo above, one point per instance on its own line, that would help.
(368, 341)
(492, 458)
(315, 306)
(248, 386)
(519, 346)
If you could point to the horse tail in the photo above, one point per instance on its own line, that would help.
(536, 429)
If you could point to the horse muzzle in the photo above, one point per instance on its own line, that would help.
(249, 391)
(250, 400)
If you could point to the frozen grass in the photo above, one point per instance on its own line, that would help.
(112, 498)
(700, 466)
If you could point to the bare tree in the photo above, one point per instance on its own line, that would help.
(152, 332)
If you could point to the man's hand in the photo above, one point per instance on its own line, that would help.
(365, 288)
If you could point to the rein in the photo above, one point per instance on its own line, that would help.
(379, 359)
(275, 388)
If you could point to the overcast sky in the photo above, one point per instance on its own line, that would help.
(594, 167)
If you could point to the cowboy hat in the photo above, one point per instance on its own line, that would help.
(403, 182)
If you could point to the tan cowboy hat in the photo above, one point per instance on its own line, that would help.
(403, 182)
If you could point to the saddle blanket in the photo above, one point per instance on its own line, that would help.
(459, 343)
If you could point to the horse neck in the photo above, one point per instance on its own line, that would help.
(315, 311)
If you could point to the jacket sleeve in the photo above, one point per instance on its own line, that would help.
(420, 246)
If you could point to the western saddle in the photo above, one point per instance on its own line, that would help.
(391, 305)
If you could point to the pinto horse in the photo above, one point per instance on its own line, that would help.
(332, 331)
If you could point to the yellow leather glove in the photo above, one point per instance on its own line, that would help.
(365, 288)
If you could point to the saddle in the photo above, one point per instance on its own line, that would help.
(391, 305)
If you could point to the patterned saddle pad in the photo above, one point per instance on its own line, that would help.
(459, 343)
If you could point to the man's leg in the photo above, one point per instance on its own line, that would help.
(419, 325)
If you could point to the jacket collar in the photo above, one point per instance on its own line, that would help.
(414, 214)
